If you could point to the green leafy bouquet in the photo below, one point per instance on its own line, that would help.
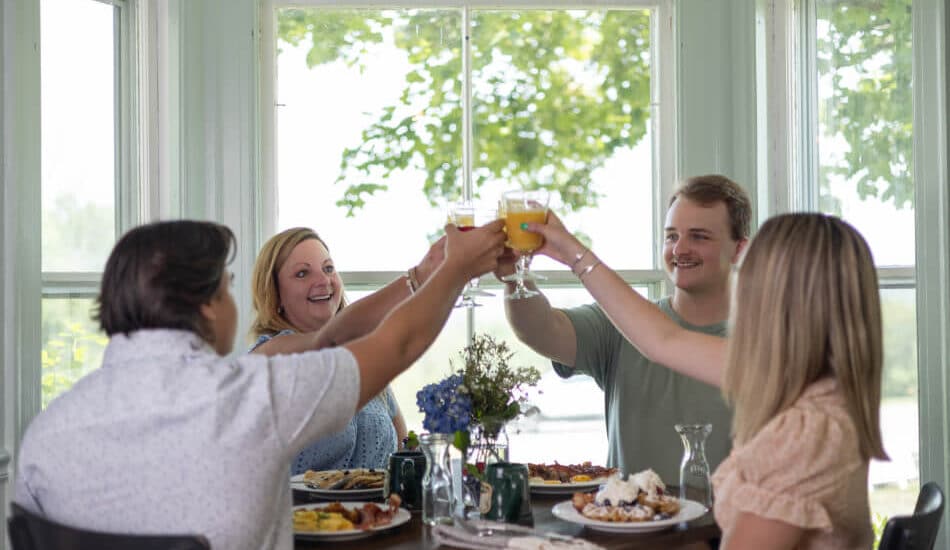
(486, 390)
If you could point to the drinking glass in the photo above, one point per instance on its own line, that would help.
(694, 469)
(467, 216)
(520, 207)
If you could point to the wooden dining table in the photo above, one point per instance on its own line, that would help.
(415, 535)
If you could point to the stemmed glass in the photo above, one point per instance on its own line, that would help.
(520, 207)
(466, 216)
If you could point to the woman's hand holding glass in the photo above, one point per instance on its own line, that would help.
(558, 243)
(520, 209)
(466, 215)
(474, 252)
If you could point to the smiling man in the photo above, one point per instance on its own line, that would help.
(706, 229)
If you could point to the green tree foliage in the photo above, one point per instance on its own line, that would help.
(867, 52)
(555, 94)
(72, 345)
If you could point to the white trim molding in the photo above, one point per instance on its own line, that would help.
(931, 26)
(19, 229)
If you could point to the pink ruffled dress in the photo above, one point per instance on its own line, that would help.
(803, 468)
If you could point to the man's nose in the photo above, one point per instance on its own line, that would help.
(680, 246)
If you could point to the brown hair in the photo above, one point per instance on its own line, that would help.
(806, 308)
(712, 188)
(266, 291)
(158, 275)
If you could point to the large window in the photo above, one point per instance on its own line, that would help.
(865, 174)
(385, 117)
(79, 102)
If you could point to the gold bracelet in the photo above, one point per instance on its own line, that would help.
(588, 269)
(578, 257)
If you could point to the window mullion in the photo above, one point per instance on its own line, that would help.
(467, 136)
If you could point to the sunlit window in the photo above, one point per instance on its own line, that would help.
(865, 151)
(371, 151)
(78, 106)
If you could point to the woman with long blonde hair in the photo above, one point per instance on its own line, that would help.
(802, 369)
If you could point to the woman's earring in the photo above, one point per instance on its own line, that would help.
(280, 310)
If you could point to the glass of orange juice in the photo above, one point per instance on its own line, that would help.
(465, 215)
(520, 207)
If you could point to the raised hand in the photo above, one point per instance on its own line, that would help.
(432, 260)
(506, 263)
(559, 243)
(475, 252)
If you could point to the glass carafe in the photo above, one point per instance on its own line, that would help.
(694, 469)
(437, 492)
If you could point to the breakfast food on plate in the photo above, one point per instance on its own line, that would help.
(345, 480)
(554, 474)
(639, 498)
(337, 517)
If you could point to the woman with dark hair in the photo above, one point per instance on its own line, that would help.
(169, 436)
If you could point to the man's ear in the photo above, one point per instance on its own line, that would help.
(208, 312)
(740, 249)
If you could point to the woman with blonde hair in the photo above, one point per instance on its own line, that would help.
(296, 291)
(802, 369)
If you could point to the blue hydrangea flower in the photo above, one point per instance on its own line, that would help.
(447, 409)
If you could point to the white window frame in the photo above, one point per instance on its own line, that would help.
(25, 285)
(663, 51)
(790, 183)
(131, 149)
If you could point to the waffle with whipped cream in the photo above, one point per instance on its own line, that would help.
(641, 497)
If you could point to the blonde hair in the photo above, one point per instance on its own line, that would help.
(266, 291)
(806, 308)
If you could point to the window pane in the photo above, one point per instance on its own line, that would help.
(570, 409)
(349, 142)
(894, 484)
(78, 134)
(370, 124)
(72, 344)
(865, 121)
(562, 100)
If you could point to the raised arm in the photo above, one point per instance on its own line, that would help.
(659, 338)
(410, 328)
(363, 315)
(541, 327)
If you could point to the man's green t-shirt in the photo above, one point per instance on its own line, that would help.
(643, 400)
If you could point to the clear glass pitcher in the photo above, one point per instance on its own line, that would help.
(694, 469)
(437, 491)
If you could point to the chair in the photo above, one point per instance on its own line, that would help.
(29, 531)
(916, 532)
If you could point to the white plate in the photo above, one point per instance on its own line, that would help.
(400, 517)
(297, 484)
(689, 510)
(566, 488)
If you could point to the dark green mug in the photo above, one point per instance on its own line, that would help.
(510, 493)
(404, 477)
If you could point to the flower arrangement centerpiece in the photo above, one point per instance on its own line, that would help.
(480, 397)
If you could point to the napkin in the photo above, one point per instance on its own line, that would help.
(492, 536)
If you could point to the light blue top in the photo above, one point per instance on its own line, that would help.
(366, 442)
